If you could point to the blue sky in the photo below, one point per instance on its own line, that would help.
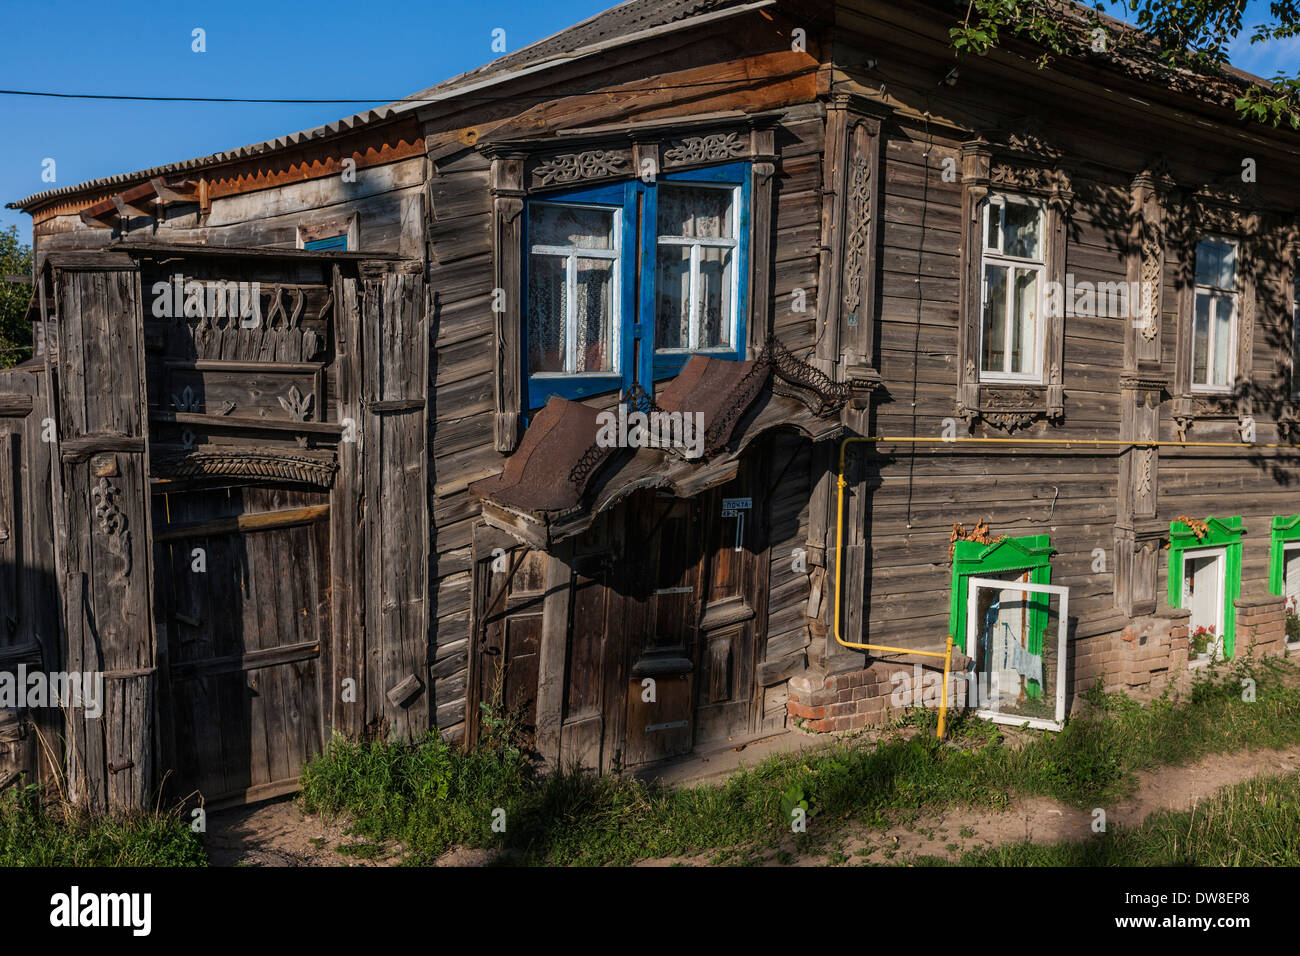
(385, 49)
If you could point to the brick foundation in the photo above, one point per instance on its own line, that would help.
(1141, 661)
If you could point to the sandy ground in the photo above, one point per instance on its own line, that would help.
(277, 833)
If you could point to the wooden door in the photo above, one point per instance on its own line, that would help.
(510, 583)
(660, 615)
(732, 600)
(244, 617)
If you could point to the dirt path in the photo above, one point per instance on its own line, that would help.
(279, 834)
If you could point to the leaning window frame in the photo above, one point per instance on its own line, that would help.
(999, 201)
(1235, 296)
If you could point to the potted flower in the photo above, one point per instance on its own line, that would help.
(1200, 640)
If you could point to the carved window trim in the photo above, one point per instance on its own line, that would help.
(1020, 165)
(846, 301)
(538, 169)
(1215, 213)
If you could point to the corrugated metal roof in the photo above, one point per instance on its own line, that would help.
(618, 23)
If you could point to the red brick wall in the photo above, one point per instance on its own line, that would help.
(1140, 661)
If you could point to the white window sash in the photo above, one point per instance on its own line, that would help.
(571, 255)
(695, 320)
(1008, 319)
(1217, 298)
(996, 257)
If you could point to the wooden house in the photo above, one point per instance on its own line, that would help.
(312, 441)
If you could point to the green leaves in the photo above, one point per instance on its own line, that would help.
(1192, 35)
(15, 333)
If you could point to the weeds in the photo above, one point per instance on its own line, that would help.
(40, 832)
(432, 796)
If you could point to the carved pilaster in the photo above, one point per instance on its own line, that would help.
(1142, 337)
(507, 245)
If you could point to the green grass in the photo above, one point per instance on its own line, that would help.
(1250, 824)
(431, 796)
(38, 833)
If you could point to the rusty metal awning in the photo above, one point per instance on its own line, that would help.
(560, 477)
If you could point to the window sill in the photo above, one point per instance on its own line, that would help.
(667, 364)
(576, 387)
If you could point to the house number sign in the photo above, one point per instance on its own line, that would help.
(736, 508)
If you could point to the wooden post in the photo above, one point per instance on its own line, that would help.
(108, 585)
(396, 530)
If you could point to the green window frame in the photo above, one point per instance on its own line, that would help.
(1284, 531)
(1226, 533)
(971, 559)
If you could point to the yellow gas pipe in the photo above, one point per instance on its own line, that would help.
(841, 484)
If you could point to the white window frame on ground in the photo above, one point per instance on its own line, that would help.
(998, 257)
(696, 244)
(1221, 583)
(571, 256)
(1062, 633)
(1216, 294)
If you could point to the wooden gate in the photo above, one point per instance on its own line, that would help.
(243, 596)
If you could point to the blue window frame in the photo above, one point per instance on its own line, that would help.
(623, 283)
(331, 242)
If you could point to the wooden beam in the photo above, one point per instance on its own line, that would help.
(186, 191)
(246, 421)
(285, 518)
(14, 404)
(98, 215)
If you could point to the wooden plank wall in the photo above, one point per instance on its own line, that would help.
(381, 197)
(29, 623)
(107, 566)
(395, 533)
(918, 492)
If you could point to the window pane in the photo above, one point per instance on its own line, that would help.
(695, 212)
(1216, 264)
(1222, 339)
(547, 306)
(993, 358)
(673, 297)
(571, 226)
(595, 307)
(1024, 323)
(1201, 339)
(715, 298)
(1021, 233)
(992, 221)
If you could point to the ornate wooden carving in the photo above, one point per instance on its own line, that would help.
(297, 404)
(576, 167)
(256, 463)
(859, 221)
(113, 524)
(709, 148)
